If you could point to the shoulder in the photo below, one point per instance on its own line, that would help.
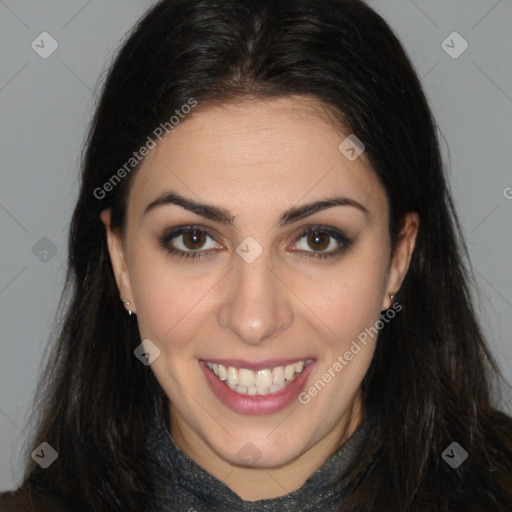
(26, 501)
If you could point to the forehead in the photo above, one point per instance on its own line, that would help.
(256, 155)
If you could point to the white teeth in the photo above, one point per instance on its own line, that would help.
(289, 371)
(278, 376)
(223, 372)
(299, 366)
(246, 377)
(262, 390)
(232, 376)
(264, 378)
(261, 382)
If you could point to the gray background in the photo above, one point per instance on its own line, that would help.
(46, 104)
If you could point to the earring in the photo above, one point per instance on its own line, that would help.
(126, 303)
(392, 297)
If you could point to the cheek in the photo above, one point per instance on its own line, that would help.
(168, 303)
(357, 302)
(348, 298)
(350, 306)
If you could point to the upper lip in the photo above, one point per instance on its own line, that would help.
(257, 365)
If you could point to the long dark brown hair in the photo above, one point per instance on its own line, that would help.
(432, 377)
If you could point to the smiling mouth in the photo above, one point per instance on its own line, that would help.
(261, 382)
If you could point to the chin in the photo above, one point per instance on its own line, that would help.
(259, 453)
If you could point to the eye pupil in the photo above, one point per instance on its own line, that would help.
(194, 239)
(318, 241)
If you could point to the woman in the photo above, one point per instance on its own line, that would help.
(269, 308)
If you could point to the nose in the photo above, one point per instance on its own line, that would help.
(257, 302)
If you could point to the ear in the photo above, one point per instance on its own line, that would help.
(117, 258)
(401, 257)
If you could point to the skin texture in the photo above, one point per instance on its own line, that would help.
(257, 159)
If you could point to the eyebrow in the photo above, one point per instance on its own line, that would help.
(223, 216)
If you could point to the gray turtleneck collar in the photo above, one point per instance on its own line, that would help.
(184, 486)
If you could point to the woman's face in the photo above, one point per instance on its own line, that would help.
(253, 242)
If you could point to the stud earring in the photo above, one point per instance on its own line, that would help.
(392, 297)
(126, 303)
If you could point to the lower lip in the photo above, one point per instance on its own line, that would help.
(258, 404)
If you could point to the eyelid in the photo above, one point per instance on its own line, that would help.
(177, 231)
(341, 239)
(172, 233)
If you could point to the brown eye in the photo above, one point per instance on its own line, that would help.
(322, 242)
(318, 241)
(194, 240)
(188, 241)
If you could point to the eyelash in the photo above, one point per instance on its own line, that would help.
(168, 236)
